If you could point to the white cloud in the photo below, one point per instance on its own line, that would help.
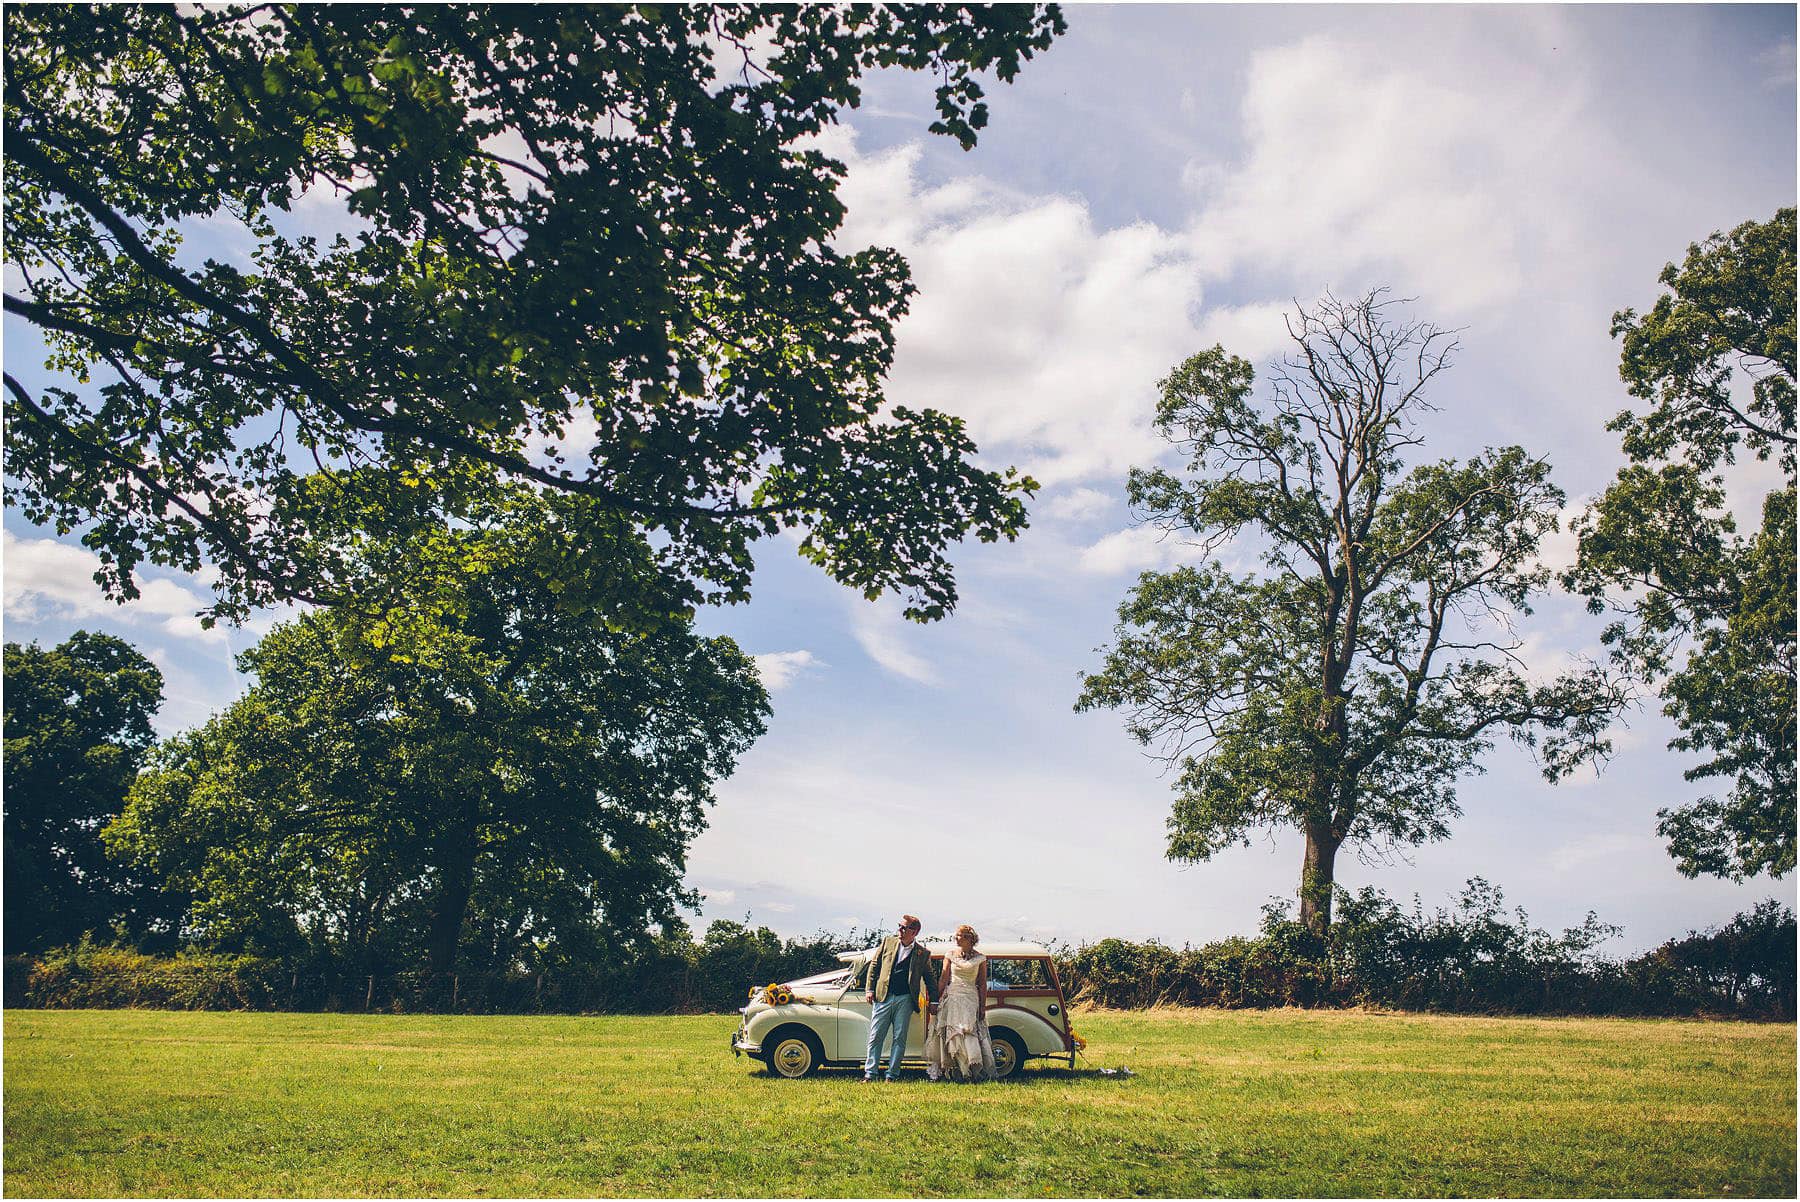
(883, 635)
(46, 579)
(720, 897)
(1074, 505)
(779, 669)
(1361, 171)
(1045, 333)
(1256, 332)
(778, 907)
(1136, 549)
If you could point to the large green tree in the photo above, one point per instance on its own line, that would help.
(1344, 689)
(77, 728)
(499, 763)
(586, 247)
(1708, 612)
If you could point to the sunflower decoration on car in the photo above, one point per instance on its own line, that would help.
(1076, 1039)
(777, 995)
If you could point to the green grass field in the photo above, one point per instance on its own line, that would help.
(1239, 1103)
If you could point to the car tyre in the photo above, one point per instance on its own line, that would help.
(1009, 1054)
(793, 1052)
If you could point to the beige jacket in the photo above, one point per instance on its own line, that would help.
(918, 964)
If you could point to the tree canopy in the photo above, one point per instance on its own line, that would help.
(77, 728)
(585, 248)
(1344, 689)
(492, 770)
(1708, 613)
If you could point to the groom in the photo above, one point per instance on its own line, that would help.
(900, 969)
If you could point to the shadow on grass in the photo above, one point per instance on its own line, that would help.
(914, 1078)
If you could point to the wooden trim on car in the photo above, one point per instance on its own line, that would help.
(1062, 1004)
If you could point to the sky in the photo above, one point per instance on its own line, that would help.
(1163, 179)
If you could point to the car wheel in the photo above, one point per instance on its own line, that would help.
(794, 1052)
(1009, 1055)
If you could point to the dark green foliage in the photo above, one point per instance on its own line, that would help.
(77, 729)
(1749, 962)
(1709, 613)
(1345, 689)
(670, 974)
(585, 252)
(1473, 957)
(500, 767)
(1729, 309)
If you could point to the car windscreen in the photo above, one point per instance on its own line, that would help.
(835, 977)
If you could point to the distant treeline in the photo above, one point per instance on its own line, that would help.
(1473, 958)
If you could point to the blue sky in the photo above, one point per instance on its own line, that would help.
(1164, 178)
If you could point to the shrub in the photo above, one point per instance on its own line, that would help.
(90, 976)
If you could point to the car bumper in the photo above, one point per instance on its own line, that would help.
(742, 1046)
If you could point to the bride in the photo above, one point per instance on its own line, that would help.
(958, 1045)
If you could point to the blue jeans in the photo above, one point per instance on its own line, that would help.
(893, 1015)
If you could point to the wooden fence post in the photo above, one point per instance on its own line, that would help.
(369, 997)
(455, 988)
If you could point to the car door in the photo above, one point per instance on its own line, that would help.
(852, 1026)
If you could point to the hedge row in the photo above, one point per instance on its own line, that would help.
(1472, 959)
(670, 975)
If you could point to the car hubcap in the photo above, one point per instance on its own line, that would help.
(1004, 1060)
(792, 1058)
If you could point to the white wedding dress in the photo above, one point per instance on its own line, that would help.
(958, 1045)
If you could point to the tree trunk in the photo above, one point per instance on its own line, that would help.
(452, 904)
(1317, 875)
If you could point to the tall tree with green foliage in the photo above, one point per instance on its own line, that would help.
(586, 248)
(77, 728)
(1344, 689)
(1708, 613)
(498, 764)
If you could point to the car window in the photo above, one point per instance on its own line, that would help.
(1018, 973)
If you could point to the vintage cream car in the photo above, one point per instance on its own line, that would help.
(822, 1020)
